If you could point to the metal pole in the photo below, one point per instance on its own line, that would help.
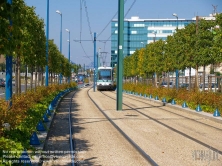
(94, 75)
(60, 78)
(98, 58)
(177, 71)
(47, 46)
(61, 35)
(57, 11)
(69, 55)
(120, 55)
(155, 75)
(8, 86)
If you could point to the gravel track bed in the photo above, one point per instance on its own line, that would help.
(58, 136)
(192, 128)
(98, 142)
(187, 114)
(165, 146)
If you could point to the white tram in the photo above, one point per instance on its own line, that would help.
(105, 78)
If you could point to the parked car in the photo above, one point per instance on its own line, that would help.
(210, 87)
(2, 82)
(164, 84)
(13, 82)
(184, 85)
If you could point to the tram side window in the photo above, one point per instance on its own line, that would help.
(105, 75)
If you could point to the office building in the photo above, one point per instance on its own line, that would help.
(139, 32)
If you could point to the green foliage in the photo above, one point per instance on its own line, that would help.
(209, 101)
(22, 35)
(24, 116)
(194, 46)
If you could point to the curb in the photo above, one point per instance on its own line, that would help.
(43, 135)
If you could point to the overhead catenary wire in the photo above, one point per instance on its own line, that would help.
(87, 16)
(80, 21)
(124, 17)
(90, 31)
(109, 22)
(85, 51)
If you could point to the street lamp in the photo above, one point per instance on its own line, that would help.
(154, 39)
(69, 51)
(47, 47)
(177, 72)
(57, 11)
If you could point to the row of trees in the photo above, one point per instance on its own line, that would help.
(22, 36)
(197, 45)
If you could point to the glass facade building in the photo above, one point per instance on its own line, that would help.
(140, 32)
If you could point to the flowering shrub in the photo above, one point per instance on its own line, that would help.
(209, 101)
(24, 114)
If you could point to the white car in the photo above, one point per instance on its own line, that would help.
(212, 87)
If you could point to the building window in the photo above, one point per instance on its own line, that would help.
(167, 31)
(133, 32)
(139, 25)
(131, 52)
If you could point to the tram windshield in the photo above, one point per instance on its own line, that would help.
(104, 74)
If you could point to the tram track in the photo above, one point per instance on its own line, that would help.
(171, 128)
(161, 108)
(96, 123)
(137, 148)
(61, 140)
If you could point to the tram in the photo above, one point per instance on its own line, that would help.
(80, 79)
(105, 78)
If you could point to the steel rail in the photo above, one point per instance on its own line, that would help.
(173, 129)
(144, 154)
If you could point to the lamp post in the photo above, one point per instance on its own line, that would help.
(177, 72)
(69, 51)
(47, 46)
(57, 11)
(155, 76)
(8, 85)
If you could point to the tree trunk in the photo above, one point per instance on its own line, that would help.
(16, 76)
(204, 73)
(31, 79)
(155, 79)
(196, 78)
(35, 77)
(42, 77)
(26, 79)
(190, 79)
(19, 77)
(38, 76)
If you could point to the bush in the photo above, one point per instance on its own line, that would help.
(23, 116)
(209, 101)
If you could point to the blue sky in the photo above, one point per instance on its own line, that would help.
(95, 15)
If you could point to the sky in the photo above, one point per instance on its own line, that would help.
(85, 17)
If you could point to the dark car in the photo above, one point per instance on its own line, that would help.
(2, 82)
(165, 84)
(184, 85)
